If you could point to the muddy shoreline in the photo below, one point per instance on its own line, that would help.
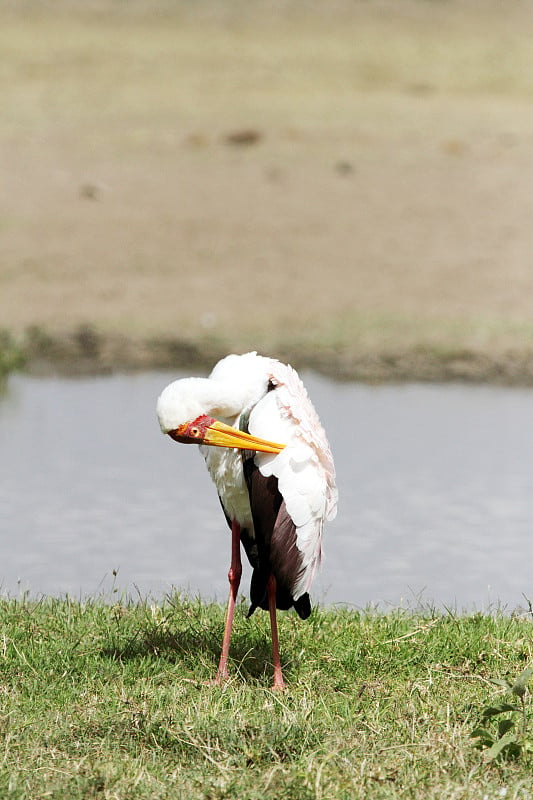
(85, 351)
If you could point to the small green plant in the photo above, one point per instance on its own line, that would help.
(11, 355)
(506, 736)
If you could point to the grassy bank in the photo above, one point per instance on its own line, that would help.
(362, 350)
(110, 701)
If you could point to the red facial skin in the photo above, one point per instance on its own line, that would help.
(192, 432)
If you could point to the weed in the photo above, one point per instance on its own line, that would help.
(506, 736)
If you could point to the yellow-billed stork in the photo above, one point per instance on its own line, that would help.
(271, 463)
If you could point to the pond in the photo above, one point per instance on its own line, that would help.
(435, 482)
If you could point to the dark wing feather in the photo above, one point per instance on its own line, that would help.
(275, 540)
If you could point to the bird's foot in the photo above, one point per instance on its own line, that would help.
(218, 680)
(279, 683)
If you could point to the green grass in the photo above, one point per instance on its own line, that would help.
(111, 701)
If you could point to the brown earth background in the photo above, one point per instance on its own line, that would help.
(346, 184)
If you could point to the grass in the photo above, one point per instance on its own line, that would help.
(111, 701)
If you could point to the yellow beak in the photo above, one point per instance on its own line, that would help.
(218, 434)
(221, 435)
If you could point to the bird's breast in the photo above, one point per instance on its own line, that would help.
(225, 468)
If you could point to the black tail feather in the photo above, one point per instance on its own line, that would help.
(303, 606)
(284, 599)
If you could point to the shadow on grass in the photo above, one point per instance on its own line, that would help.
(250, 651)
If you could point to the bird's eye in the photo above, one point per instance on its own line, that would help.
(195, 432)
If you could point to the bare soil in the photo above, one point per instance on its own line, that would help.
(346, 185)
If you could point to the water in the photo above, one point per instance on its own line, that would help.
(436, 495)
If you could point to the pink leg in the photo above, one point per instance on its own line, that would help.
(271, 590)
(234, 577)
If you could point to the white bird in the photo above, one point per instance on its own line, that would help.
(271, 463)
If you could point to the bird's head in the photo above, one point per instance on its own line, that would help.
(181, 410)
